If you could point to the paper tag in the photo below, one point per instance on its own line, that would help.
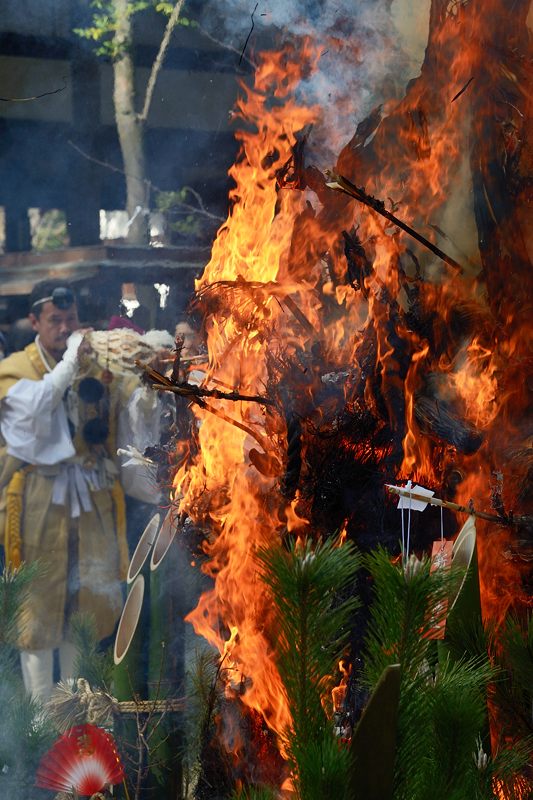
(441, 558)
(408, 502)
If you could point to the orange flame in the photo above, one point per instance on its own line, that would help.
(270, 258)
(253, 245)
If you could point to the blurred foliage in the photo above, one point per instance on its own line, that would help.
(14, 583)
(181, 217)
(92, 662)
(25, 731)
(104, 23)
(49, 230)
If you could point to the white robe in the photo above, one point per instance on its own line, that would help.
(35, 429)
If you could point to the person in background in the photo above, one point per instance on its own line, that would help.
(193, 350)
(189, 331)
(20, 334)
(61, 500)
(138, 321)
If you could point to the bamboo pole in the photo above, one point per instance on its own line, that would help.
(342, 184)
(434, 501)
(166, 663)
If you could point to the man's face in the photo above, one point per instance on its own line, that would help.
(54, 325)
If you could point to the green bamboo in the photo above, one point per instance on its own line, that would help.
(464, 618)
(465, 608)
(373, 744)
(166, 661)
(144, 548)
(129, 678)
(127, 675)
(130, 672)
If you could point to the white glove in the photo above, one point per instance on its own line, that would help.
(63, 373)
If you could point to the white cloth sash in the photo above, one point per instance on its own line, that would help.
(73, 484)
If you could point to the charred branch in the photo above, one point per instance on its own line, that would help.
(461, 91)
(342, 184)
(289, 482)
(436, 419)
(292, 174)
(359, 267)
(196, 393)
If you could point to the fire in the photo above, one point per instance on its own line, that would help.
(476, 383)
(417, 458)
(277, 290)
(521, 790)
(253, 246)
(338, 693)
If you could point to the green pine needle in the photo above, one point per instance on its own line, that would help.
(255, 793)
(312, 590)
(14, 584)
(442, 709)
(407, 604)
(517, 649)
(91, 663)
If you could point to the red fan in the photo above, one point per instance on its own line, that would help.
(85, 758)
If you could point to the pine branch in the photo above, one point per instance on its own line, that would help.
(458, 716)
(506, 771)
(307, 583)
(511, 649)
(25, 735)
(14, 585)
(407, 604)
(442, 706)
(255, 793)
(91, 662)
(517, 646)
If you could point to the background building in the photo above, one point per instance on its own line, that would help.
(60, 160)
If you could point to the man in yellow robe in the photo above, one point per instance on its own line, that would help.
(61, 501)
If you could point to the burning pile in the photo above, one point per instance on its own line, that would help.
(377, 358)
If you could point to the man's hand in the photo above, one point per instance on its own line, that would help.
(78, 348)
(85, 349)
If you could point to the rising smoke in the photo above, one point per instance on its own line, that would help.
(368, 53)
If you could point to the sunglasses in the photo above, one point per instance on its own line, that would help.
(61, 297)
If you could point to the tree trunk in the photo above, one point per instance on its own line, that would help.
(130, 129)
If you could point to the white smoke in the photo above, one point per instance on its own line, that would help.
(371, 49)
